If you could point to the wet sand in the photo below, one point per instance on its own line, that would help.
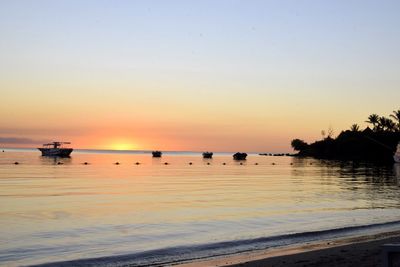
(356, 251)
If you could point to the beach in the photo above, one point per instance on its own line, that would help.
(355, 251)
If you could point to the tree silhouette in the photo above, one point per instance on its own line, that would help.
(355, 128)
(396, 117)
(356, 144)
(390, 125)
(386, 124)
(374, 120)
(299, 145)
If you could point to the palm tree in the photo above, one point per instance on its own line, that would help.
(374, 120)
(391, 125)
(386, 124)
(355, 128)
(396, 116)
(381, 123)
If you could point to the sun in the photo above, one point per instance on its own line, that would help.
(123, 145)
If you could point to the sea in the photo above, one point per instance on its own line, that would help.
(181, 207)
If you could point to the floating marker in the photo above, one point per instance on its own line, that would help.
(190, 163)
(16, 163)
(137, 163)
(116, 163)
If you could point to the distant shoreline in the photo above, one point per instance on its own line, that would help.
(363, 145)
(377, 144)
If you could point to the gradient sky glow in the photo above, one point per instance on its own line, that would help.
(194, 75)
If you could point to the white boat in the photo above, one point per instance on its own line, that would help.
(396, 156)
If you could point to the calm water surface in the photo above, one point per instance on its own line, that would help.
(51, 212)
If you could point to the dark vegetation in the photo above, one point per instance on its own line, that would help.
(376, 143)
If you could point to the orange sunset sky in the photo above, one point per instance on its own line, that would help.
(194, 75)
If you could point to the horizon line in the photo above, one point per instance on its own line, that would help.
(148, 150)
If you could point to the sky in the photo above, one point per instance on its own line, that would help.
(194, 75)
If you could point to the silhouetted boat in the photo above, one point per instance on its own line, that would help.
(56, 149)
(396, 156)
(156, 154)
(207, 155)
(239, 156)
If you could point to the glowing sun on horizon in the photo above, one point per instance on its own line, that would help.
(123, 145)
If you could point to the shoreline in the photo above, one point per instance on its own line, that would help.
(341, 250)
(364, 250)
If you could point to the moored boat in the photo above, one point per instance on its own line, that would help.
(396, 155)
(207, 155)
(156, 154)
(56, 149)
(239, 156)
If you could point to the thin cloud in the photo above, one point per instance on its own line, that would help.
(19, 140)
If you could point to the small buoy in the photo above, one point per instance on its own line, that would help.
(291, 163)
(116, 163)
(224, 163)
(85, 163)
(16, 163)
(190, 163)
(256, 163)
(166, 163)
(137, 163)
(241, 163)
(273, 163)
(310, 163)
(60, 163)
(208, 163)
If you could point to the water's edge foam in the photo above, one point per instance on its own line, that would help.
(189, 253)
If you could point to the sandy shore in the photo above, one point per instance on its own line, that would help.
(356, 251)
